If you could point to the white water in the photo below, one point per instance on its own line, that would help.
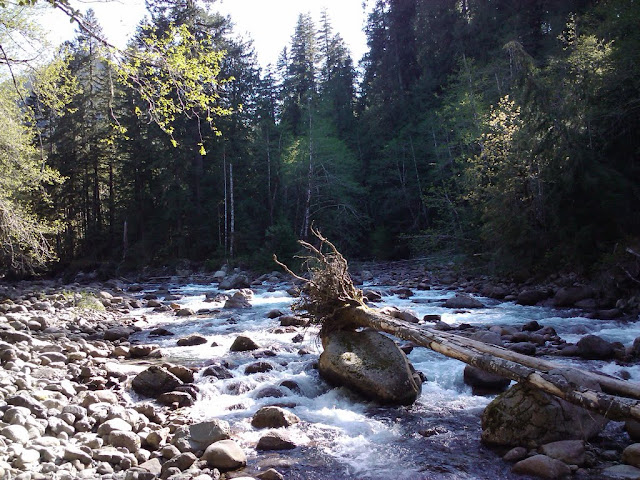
(341, 436)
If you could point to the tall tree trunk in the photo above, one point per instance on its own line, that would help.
(226, 203)
(233, 213)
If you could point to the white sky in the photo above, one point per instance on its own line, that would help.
(270, 23)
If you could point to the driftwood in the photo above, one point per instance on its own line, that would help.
(330, 296)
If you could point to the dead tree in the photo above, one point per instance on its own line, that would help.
(333, 301)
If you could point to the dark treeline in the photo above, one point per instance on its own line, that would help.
(507, 130)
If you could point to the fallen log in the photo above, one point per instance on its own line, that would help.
(552, 378)
(335, 303)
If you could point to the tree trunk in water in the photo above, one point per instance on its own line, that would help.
(544, 375)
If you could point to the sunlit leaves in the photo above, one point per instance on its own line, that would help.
(175, 74)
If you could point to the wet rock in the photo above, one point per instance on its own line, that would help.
(531, 297)
(461, 300)
(243, 344)
(191, 340)
(268, 392)
(487, 336)
(484, 383)
(571, 452)
(432, 317)
(275, 313)
(527, 416)
(275, 441)
(185, 374)
(370, 364)
(293, 321)
(631, 455)
(258, 367)
(185, 312)
(593, 347)
(154, 381)
(236, 280)
(240, 299)
(532, 326)
(217, 371)
(225, 455)
(141, 351)
(273, 417)
(403, 315)
(541, 466)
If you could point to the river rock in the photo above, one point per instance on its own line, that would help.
(620, 472)
(243, 344)
(273, 417)
(191, 340)
(593, 347)
(571, 452)
(258, 367)
(531, 297)
(218, 371)
(275, 441)
(293, 321)
(631, 455)
(371, 364)
(271, 474)
(225, 455)
(542, 466)
(154, 381)
(200, 435)
(16, 434)
(237, 280)
(484, 383)
(568, 297)
(526, 416)
(461, 300)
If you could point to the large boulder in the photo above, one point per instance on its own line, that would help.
(240, 299)
(526, 416)
(225, 455)
(568, 297)
(461, 300)
(237, 280)
(531, 297)
(154, 381)
(370, 364)
(593, 347)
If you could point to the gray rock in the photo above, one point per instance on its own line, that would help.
(271, 474)
(16, 434)
(153, 466)
(225, 455)
(154, 381)
(72, 452)
(568, 297)
(273, 417)
(542, 466)
(461, 300)
(200, 435)
(128, 440)
(293, 321)
(620, 472)
(371, 364)
(118, 333)
(240, 299)
(237, 280)
(515, 454)
(115, 424)
(571, 452)
(275, 440)
(185, 312)
(526, 416)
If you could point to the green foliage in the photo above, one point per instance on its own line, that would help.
(175, 73)
(83, 300)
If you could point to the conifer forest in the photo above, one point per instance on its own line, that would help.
(502, 132)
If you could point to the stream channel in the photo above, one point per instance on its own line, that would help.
(340, 436)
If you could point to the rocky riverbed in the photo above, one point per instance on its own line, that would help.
(79, 399)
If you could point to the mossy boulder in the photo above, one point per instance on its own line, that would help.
(371, 365)
(526, 416)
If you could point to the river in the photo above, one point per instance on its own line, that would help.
(340, 436)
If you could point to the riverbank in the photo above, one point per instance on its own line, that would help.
(70, 353)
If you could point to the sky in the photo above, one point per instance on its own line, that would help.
(270, 23)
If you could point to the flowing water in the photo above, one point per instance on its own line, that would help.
(341, 436)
